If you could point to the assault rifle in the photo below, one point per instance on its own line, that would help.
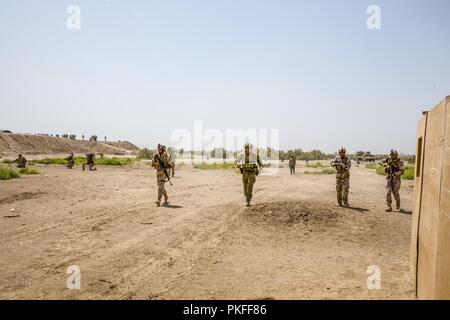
(161, 164)
(391, 170)
(339, 164)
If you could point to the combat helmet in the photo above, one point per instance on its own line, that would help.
(161, 147)
(394, 153)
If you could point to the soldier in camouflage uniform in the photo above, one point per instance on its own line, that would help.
(342, 164)
(172, 163)
(249, 163)
(292, 163)
(160, 174)
(21, 161)
(394, 169)
(90, 158)
(70, 161)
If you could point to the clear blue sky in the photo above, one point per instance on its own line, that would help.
(137, 70)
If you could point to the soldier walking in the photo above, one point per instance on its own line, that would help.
(394, 169)
(90, 158)
(292, 163)
(249, 163)
(172, 163)
(342, 164)
(21, 161)
(161, 163)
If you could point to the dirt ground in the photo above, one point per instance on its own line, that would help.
(294, 242)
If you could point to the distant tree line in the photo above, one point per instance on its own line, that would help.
(269, 153)
(299, 154)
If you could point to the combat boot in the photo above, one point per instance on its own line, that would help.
(248, 203)
(346, 203)
(339, 200)
(389, 209)
(158, 203)
(398, 205)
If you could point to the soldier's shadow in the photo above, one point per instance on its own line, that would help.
(171, 206)
(357, 209)
(405, 211)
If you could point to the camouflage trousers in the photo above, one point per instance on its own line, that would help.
(393, 187)
(90, 166)
(292, 168)
(161, 190)
(342, 187)
(248, 180)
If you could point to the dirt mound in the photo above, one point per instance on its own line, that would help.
(292, 212)
(122, 145)
(21, 196)
(12, 144)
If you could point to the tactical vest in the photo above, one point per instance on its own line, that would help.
(340, 169)
(394, 164)
(250, 163)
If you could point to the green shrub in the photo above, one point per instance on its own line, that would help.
(49, 161)
(8, 161)
(7, 174)
(371, 166)
(408, 174)
(28, 171)
(323, 171)
(380, 170)
(114, 161)
(316, 164)
(209, 166)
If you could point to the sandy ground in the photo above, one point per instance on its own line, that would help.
(293, 243)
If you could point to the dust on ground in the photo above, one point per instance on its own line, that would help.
(294, 242)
